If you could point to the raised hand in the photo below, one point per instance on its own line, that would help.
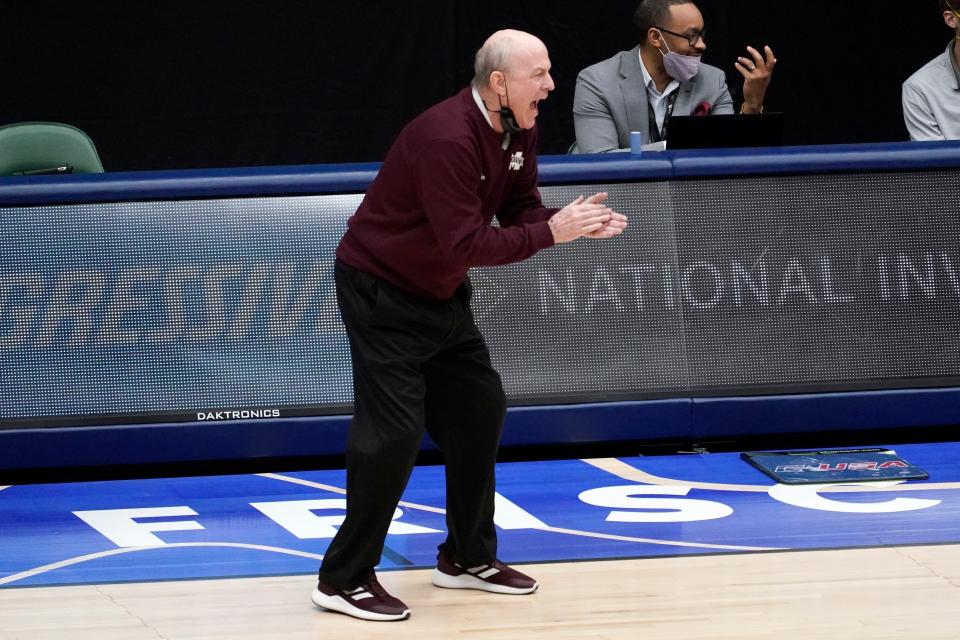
(757, 71)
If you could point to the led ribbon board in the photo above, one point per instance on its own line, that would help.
(225, 309)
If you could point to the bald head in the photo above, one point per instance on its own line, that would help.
(499, 51)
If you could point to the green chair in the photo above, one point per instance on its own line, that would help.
(33, 148)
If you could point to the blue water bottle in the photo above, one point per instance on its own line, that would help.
(636, 144)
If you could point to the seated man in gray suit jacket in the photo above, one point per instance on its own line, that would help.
(638, 90)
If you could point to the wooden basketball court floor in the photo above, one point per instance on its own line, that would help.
(677, 547)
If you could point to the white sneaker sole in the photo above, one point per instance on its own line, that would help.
(467, 581)
(336, 603)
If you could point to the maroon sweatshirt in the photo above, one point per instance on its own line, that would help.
(426, 218)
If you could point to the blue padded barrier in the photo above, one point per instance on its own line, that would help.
(354, 178)
(294, 437)
(619, 421)
(296, 180)
(186, 185)
(678, 420)
(164, 443)
(816, 159)
(770, 415)
(604, 167)
(314, 179)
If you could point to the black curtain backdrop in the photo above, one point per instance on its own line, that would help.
(175, 85)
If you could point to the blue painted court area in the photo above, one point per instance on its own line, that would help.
(276, 524)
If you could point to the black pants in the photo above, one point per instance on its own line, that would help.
(418, 364)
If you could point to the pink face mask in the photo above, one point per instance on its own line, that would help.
(678, 66)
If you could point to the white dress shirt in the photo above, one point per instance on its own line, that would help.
(658, 100)
(931, 99)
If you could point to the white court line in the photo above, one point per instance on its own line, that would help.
(666, 543)
(623, 470)
(569, 532)
(331, 488)
(113, 552)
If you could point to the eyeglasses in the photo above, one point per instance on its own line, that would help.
(692, 38)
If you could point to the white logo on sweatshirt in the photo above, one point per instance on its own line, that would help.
(516, 161)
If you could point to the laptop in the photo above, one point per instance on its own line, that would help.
(727, 131)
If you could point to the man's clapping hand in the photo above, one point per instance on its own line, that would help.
(587, 217)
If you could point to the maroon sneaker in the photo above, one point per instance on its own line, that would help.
(495, 577)
(369, 601)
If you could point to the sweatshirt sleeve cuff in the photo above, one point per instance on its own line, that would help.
(542, 235)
